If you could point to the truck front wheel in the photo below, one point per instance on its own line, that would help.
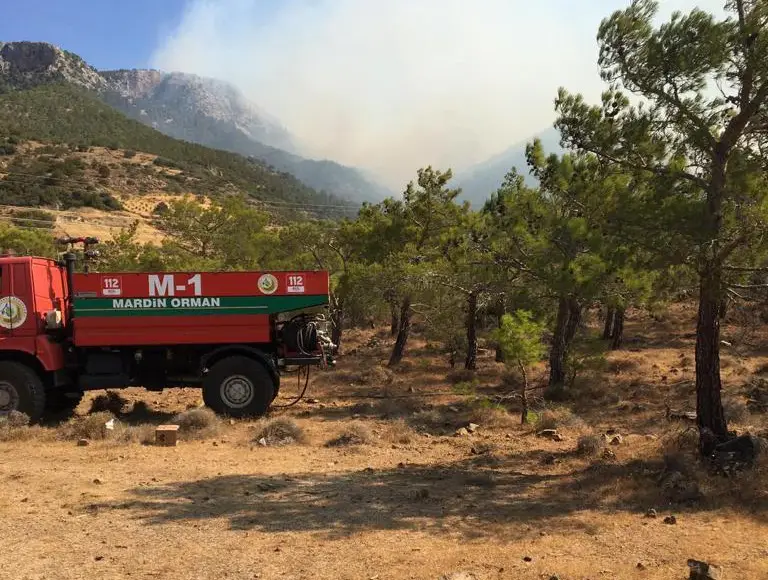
(238, 386)
(21, 389)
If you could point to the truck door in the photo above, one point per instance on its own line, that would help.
(15, 313)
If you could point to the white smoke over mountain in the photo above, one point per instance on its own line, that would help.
(393, 85)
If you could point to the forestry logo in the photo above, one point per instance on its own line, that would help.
(13, 312)
(267, 284)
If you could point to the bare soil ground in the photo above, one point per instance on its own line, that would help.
(374, 482)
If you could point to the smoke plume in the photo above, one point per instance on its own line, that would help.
(393, 85)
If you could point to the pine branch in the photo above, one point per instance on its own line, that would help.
(747, 286)
(745, 269)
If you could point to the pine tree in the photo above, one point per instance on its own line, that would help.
(698, 134)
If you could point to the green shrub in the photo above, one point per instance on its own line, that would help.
(33, 218)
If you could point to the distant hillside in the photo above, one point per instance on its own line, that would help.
(216, 114)
(481, 180)
(200, 110)
(64, 114)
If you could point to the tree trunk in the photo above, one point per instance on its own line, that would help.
(336, 330)
(618, 329)
(404, 329)
(499, 352)
(609, 323)
(724, 308)
(557, 351)
(500, 314)
(566, 326)
(337, 318)
(394, 320)
(710, 417)
(709, 408)
(574, 318)
(470, 362)
(524, 394)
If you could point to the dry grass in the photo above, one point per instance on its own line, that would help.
(727, 361)
(15, 427)
(405, 366)
(483, 448)
(736, 411)
(687, 478)
(460, 376)
(15, 419)
(432, 420)
(198, 423)
(751, 487)
(27, 433)
(92, 427)
(278, 432)
(375, 376)
(126, 434)
(353, 434)
(477, 503)
(590, 445)
(677, 445)
(493, 417)
(622, 365)
(559, 418)
(762, 369)
(398, 407)
(400, 432)
(679, 481)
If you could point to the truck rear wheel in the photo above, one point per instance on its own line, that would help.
(21, 389)
(238, 386)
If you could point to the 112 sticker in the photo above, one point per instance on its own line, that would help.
(295, 284)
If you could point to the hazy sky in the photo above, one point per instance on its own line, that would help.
(393, 85)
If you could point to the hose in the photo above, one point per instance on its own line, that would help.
(301, 394)
(309, 325)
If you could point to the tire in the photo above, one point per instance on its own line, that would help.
(21, 389)
(238, 386)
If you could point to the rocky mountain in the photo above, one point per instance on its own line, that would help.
(176, 103)
(481, 180)
(28, 64)
(216, 114)
(199, 110)
(62, 147)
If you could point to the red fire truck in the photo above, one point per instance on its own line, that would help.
(64, 332)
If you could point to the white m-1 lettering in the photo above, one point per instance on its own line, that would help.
(164, 288)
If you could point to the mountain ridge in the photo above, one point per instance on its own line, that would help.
(201, 110)
(479, 181)
(159, 96)
(28, 64)
(46, 129)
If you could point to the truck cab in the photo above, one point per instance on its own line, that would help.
(230, 333)
(31, 290)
